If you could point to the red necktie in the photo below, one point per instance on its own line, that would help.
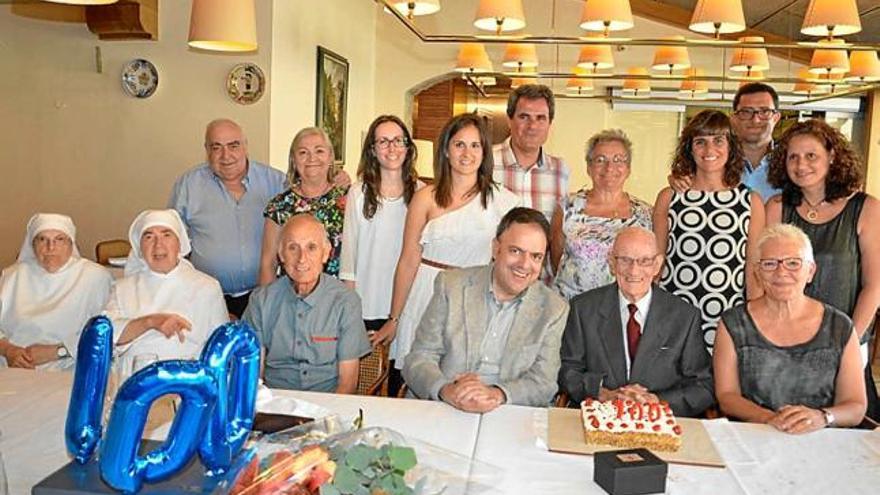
(633, 332)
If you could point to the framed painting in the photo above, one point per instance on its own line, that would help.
(331, 99)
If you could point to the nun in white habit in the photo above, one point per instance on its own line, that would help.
(163, 305)
(48, 295)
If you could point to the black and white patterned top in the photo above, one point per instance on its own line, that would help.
(706, 251)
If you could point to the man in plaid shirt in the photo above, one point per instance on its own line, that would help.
(521, 165)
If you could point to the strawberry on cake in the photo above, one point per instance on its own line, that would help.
(630, 424)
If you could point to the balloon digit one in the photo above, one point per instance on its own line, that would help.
(233, 345)
(121, 467)
(82, 429)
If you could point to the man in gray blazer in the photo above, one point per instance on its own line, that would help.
(633, 340)
(491, 334)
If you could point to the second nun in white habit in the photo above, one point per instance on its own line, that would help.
(163, 305)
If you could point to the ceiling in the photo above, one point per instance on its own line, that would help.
(779, 21)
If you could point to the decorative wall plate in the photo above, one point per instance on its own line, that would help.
(140, 78)
(245, 83)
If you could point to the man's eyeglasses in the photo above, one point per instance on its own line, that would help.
(626, 261)
(771, 264)
(398, 142)
(603, 160)
(749, 113)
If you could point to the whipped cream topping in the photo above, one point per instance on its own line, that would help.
(623, 416)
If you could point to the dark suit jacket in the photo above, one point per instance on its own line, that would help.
(671, 362)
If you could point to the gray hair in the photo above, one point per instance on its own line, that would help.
(607, 136)
(786, 231)
(222, 121)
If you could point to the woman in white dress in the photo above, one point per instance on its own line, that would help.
(163, 306)
(48, 295)
(375, 212)
(450, 224)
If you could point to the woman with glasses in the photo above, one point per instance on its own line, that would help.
(47, 296)
(311, 173)
(585, 223)
(449, 224)
(786, 359)
(375, 211)
(706, 231)
(821, 180)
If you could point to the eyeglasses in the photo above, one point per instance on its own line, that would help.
(602, 160)
(771, 264)
(749, 113)
(626, 261)
(398, 142)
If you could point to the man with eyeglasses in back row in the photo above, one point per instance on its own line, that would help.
(755, 115)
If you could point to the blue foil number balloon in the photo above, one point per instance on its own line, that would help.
(121, 467)
(217, 409)
(82, 429)
(232, 356)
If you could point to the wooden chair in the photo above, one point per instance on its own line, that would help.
(114, 248)
(373, 372)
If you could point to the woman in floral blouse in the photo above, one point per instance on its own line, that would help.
(312, 189)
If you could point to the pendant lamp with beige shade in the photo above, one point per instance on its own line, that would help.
(717, 17)
(223, 25)
(414, 8)
(831, 18)
(605, 16)
(750, 59)
(500, 16)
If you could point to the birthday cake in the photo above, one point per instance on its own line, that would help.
(630, 424)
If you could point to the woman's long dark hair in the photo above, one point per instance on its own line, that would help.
(369, 170)
(443, 169)
(708, 123)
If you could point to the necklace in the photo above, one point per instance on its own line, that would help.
(813, 210)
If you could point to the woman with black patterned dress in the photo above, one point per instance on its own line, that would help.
(821, 181)
(705, 230)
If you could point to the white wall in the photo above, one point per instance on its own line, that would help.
(346, 27)
(73, 142)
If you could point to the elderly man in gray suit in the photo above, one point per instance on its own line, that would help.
(633, 340)
(491, 334)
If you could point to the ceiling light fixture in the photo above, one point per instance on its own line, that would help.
(636, 88)
(605, 16)
(595, 57)
(223, 25)
(472, 58)
(831, 18)
(500, 16)
(520, 56)
(691, 88)
(863, 66)
(718, 16)
(830, 60)
(750, 59)
(671, 58)
(579, 86)
(417, 7)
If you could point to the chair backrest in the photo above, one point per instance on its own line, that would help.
(373, 372)
(113, 248)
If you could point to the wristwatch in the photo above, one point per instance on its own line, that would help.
(61, 351)
(829, 417)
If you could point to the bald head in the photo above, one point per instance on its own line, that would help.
(635, 235)
(303, 248)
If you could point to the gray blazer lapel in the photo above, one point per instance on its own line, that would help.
(654, 335)
(611, 333)
(475, 316)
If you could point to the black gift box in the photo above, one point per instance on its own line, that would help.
(629, 472)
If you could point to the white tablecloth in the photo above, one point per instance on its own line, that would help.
(759, 460)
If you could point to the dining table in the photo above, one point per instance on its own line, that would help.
(505, 450)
